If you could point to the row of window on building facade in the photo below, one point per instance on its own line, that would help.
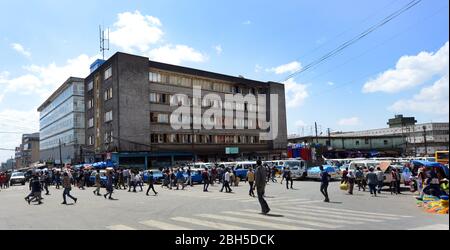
(188, 138)
(157, 77)
(189, 82)
(217, 122)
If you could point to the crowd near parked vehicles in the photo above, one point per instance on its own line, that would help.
(373, 175)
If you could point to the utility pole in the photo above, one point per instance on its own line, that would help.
(329, 137)
(60, 154)
(317, 138)
(415, 144)
(425, 139)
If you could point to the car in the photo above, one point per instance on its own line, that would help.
(241, 168)
(17, 177)
(157, 176)
(297, 167)
(196, 174)
(314, 172)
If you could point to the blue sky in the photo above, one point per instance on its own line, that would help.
(44, 42)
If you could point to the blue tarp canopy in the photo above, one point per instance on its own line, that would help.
(103, 164)
(328, 168)
(431, 164)
(426, 163)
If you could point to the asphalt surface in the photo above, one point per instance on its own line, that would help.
(192, 209)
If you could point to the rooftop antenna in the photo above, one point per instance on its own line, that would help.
(104, 40)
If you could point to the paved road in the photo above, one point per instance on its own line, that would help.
(191, 209)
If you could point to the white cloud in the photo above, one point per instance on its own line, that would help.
(432, 100)
(16, 121)
(300, 123)
(43, 80)
(176, 54)
(19, 48)
(411, 71)
(134, 31)
(330, 83)
(286, 68)
(218, 49)
(258, 68)
(296, 93)
(248, 22)
(353, 121)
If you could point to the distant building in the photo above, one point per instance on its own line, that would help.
(8, 165)
(400, 121)
(62, 123)
(404, 136)
(28, 151)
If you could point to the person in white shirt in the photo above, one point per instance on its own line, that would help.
(226, 180)
(351, 181)
(138, 181)
(132, 182)
(380, 175)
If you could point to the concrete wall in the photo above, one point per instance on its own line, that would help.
(281, 140)
(133, 102)
(70, 154)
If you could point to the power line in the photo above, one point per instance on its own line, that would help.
(396, 35)
(6, 149)
(347, 30)
(355, 39)
(375, 72)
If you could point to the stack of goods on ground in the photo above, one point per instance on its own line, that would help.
(433, 204)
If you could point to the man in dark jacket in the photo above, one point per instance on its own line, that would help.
(36, 189)
(324, 181)
(151, 181)
(260, 183)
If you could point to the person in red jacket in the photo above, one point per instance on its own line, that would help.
(2, 180)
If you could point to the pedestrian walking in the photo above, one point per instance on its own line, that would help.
(58, 179)
(260, 182)
(173, 178)
(372, 181)
(351, 179)
(180, 179)
(421, 179)
(150, 182)
(132, 183)
(46, 181)
(359, 175)
(395, 177)
(226, 180)
(214, 174)
(205, 179)
(189, 177)
(324, 182)
(87, 175)
(251, 181)
(380, 177)
(98, 183)
(36, 189)
(138, 182)
(66, 183)
(274, 174)
(109, 186)
(126, 177)
(344, 176)
(288, 177)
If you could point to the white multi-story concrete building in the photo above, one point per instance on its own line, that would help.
(62, 123)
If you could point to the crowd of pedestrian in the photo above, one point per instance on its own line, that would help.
(424, 180)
